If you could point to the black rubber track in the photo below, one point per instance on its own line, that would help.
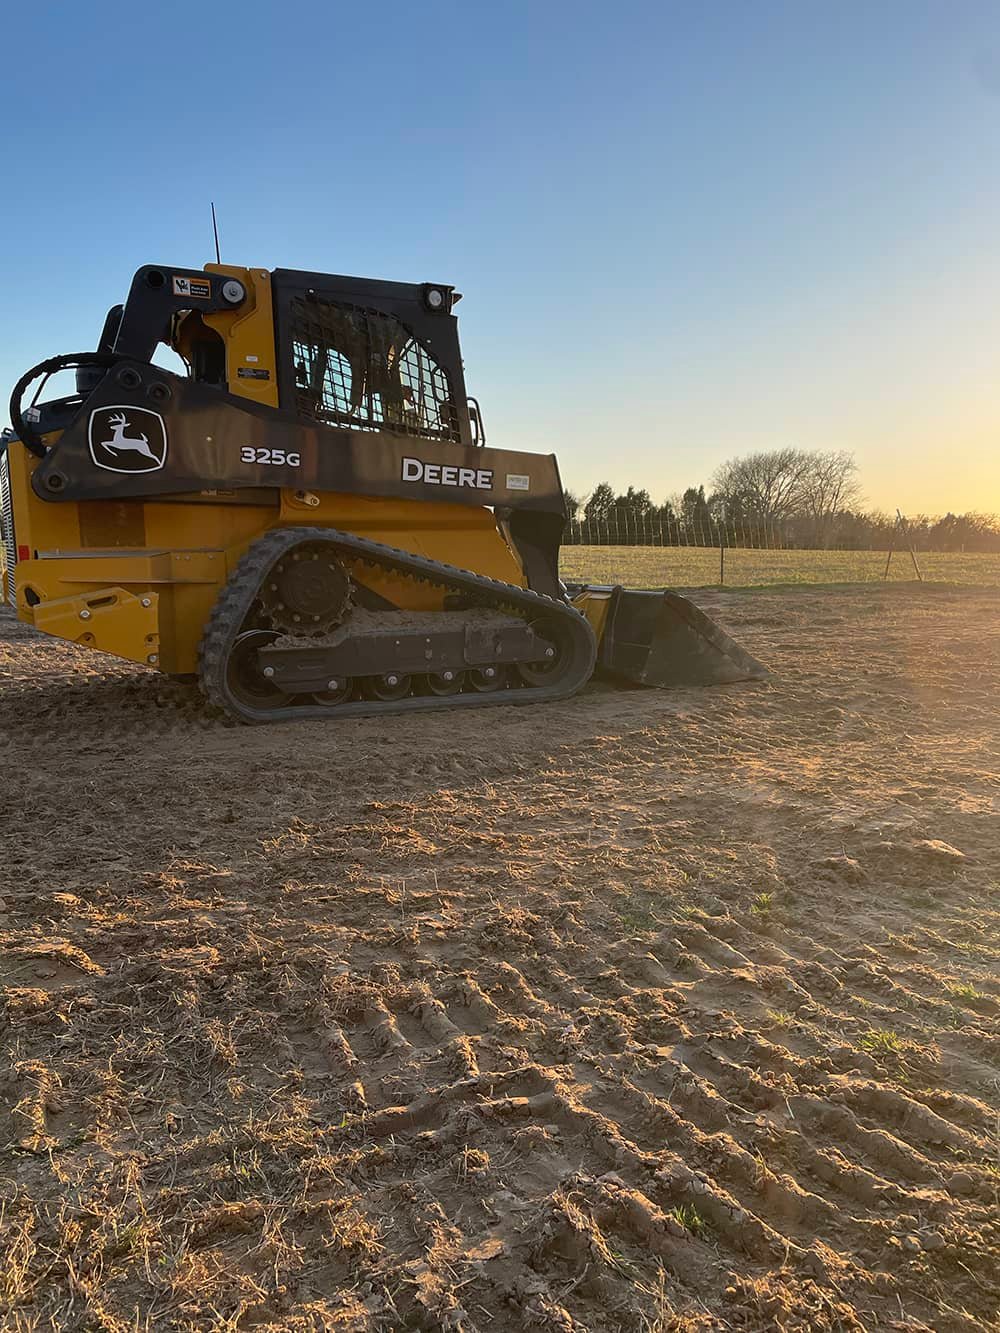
(237, 599)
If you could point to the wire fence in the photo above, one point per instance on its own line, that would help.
(639, 552)
(707, 566)
(839, 532)
(643, 530)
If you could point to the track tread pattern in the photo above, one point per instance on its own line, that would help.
(239, 594)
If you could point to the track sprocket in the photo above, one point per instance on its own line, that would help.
(306, 591)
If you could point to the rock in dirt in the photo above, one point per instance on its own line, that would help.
(960, 1182)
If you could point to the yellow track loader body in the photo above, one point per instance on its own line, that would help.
(111, 558)
(309, 521)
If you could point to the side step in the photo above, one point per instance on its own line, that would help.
(658, 638)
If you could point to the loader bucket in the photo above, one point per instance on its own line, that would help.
(660, 638)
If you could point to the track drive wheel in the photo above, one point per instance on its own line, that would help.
(546, 668)
(487, 679)
(393, 685)
(244, 678)
(445, 682)
(340, 691)
(306, 591)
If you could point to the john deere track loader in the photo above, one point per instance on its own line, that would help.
(310, 521)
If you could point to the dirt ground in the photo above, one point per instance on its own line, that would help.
(646, 1011)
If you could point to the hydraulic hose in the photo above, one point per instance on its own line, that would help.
(25, 430)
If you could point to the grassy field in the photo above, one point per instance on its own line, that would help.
(698, 566)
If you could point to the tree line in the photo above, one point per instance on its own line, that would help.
(780, 497)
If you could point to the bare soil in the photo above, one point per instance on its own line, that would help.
(646, 1011)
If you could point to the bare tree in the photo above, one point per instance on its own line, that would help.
(830, 486)
(779, 485)
(770, 485)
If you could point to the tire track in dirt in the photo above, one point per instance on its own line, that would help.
(656, 1011)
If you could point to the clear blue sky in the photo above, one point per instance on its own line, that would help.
(683, 231)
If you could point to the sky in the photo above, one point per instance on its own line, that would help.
(683, 231)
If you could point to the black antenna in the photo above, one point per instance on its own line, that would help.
(215, 229)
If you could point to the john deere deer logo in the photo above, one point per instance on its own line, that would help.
(127, 439)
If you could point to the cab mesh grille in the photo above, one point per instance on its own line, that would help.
(364, 369)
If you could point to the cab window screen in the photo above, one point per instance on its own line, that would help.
(364, 369)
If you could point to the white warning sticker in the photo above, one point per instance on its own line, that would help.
(199, 288)
(518, 481)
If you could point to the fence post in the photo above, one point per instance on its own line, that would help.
(906, 536)
(722, 562)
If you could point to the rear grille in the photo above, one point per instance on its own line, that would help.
(7, 525)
